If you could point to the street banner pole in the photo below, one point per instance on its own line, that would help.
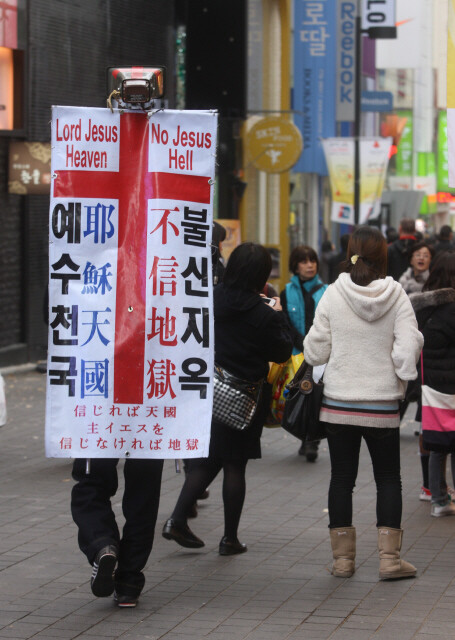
(357, 112)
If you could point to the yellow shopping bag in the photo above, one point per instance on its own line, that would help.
(279, 376)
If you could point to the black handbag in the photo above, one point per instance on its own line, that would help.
(303, 399)
(234, 400)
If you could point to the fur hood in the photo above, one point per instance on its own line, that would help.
(370, 302)
(432, 298)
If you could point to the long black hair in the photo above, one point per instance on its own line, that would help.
(248, 267)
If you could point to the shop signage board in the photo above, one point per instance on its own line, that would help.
(346, 60)
(378, 13)
(273, 145)
(376, 101)
(29, 170)
(130, 292)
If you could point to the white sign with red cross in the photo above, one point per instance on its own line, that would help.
(130, 290)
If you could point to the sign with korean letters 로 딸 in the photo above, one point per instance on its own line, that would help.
(130, 290)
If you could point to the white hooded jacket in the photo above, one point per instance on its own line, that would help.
(368, 337)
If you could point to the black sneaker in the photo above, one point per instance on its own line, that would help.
(125, 602)
(102, 581)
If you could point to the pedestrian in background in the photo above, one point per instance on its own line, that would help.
(327, 253)
(248, 335)
(299, 300)
(415, 276)
(435, 312)
(445, 239)
(365, 330)
(398, 252)
(336, 260)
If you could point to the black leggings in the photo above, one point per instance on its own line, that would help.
(384, 447)
(201, 472)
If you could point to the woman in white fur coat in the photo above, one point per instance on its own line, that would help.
(366, 331)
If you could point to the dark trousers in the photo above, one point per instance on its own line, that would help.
(384, 447)
(92, 512)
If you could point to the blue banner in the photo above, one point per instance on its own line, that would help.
(314, 79)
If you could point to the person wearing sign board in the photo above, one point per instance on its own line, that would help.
(117, 560)
(249, 333)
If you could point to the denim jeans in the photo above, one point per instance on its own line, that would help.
(384, 447)
(437, 475)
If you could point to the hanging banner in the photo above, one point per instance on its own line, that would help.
(374, 158)
(425, 181)
(443, 154)
(404, 52)
(374, 155)
(402, 180)
(339, 155)
(314, 80)
(130, 293)
(451, 91)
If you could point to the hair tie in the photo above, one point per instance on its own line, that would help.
(354, 258)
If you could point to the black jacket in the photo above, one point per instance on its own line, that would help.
(435, 313)
(398, 255)
(443, 245)
(248, 335)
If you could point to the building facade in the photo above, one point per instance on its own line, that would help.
(56, 53)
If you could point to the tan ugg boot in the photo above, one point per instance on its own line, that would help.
(343, 547)
(391, 567)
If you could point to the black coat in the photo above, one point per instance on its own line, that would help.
(398, 255)
(443, 245)
(435, 312)
(248, 335)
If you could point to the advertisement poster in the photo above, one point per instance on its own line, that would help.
(339, 155)
(374, 158)
(130, 291)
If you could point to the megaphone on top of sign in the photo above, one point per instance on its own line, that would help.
(135, 87)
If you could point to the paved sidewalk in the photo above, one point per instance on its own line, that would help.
(281, 589)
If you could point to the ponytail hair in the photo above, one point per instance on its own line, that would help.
(366, 258)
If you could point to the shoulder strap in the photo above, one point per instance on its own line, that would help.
(316, 288)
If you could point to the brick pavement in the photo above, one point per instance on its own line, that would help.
(281, 589)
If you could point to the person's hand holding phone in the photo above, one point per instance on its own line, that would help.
(272, 302)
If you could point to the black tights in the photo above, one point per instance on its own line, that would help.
(200, 474)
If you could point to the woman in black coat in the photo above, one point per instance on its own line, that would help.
(248, 335)
(435, 312)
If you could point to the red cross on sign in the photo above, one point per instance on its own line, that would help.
(133, 185)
